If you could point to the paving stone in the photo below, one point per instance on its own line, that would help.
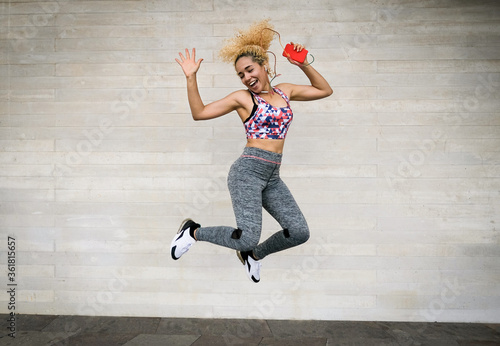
(162, 340)
(98, 339)
(139, 325)
(334, 329)
(437, 333)
(294, 342)
(469, 331)
(493, 326)
(73, 324)
(226, 340)
(237, 327)
(353, 341)
(477, 343)
(435, 342)
(33, 322)
(103, 324)
(29, 338)
(417, 333)
(289, 329)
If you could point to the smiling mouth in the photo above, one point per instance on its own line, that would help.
(253, 83)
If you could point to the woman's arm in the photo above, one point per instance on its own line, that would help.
(318, 89)
(199, 110)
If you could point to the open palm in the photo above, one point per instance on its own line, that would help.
(188, 63)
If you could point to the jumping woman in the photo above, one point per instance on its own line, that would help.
(254, 180)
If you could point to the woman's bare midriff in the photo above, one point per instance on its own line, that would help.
(274, 145)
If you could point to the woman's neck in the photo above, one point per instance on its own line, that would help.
(268, 90)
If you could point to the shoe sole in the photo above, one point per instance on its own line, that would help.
(238, 253)
(172, 250)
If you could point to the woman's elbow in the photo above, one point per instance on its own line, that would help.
(326, 92)
(197, 117)
(329, 89)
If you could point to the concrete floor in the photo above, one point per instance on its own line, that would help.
(134, 331)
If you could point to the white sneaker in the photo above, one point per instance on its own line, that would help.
(183, 240)
(252, 266)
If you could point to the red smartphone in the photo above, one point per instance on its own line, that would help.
(289, 52)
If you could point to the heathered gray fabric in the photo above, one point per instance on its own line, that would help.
(254, 183)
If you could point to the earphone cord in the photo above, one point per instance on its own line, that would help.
(279, 37)
(274, 75)
(281, 44)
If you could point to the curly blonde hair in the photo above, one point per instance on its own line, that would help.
(254, 42)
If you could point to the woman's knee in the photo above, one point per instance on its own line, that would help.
(246, 241)
(298, 235)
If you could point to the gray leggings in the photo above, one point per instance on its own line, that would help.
(254, 182)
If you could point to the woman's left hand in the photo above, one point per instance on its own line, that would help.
(298, 48)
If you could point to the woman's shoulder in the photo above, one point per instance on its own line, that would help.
(241, 93)
(240, 98)
(286, 88)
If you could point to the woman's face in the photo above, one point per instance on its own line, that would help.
(253, 75)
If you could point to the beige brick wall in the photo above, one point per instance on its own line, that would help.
(397, 172)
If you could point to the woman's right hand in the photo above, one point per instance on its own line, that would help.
(189, 64)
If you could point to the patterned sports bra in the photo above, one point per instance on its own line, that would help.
(267, 121)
